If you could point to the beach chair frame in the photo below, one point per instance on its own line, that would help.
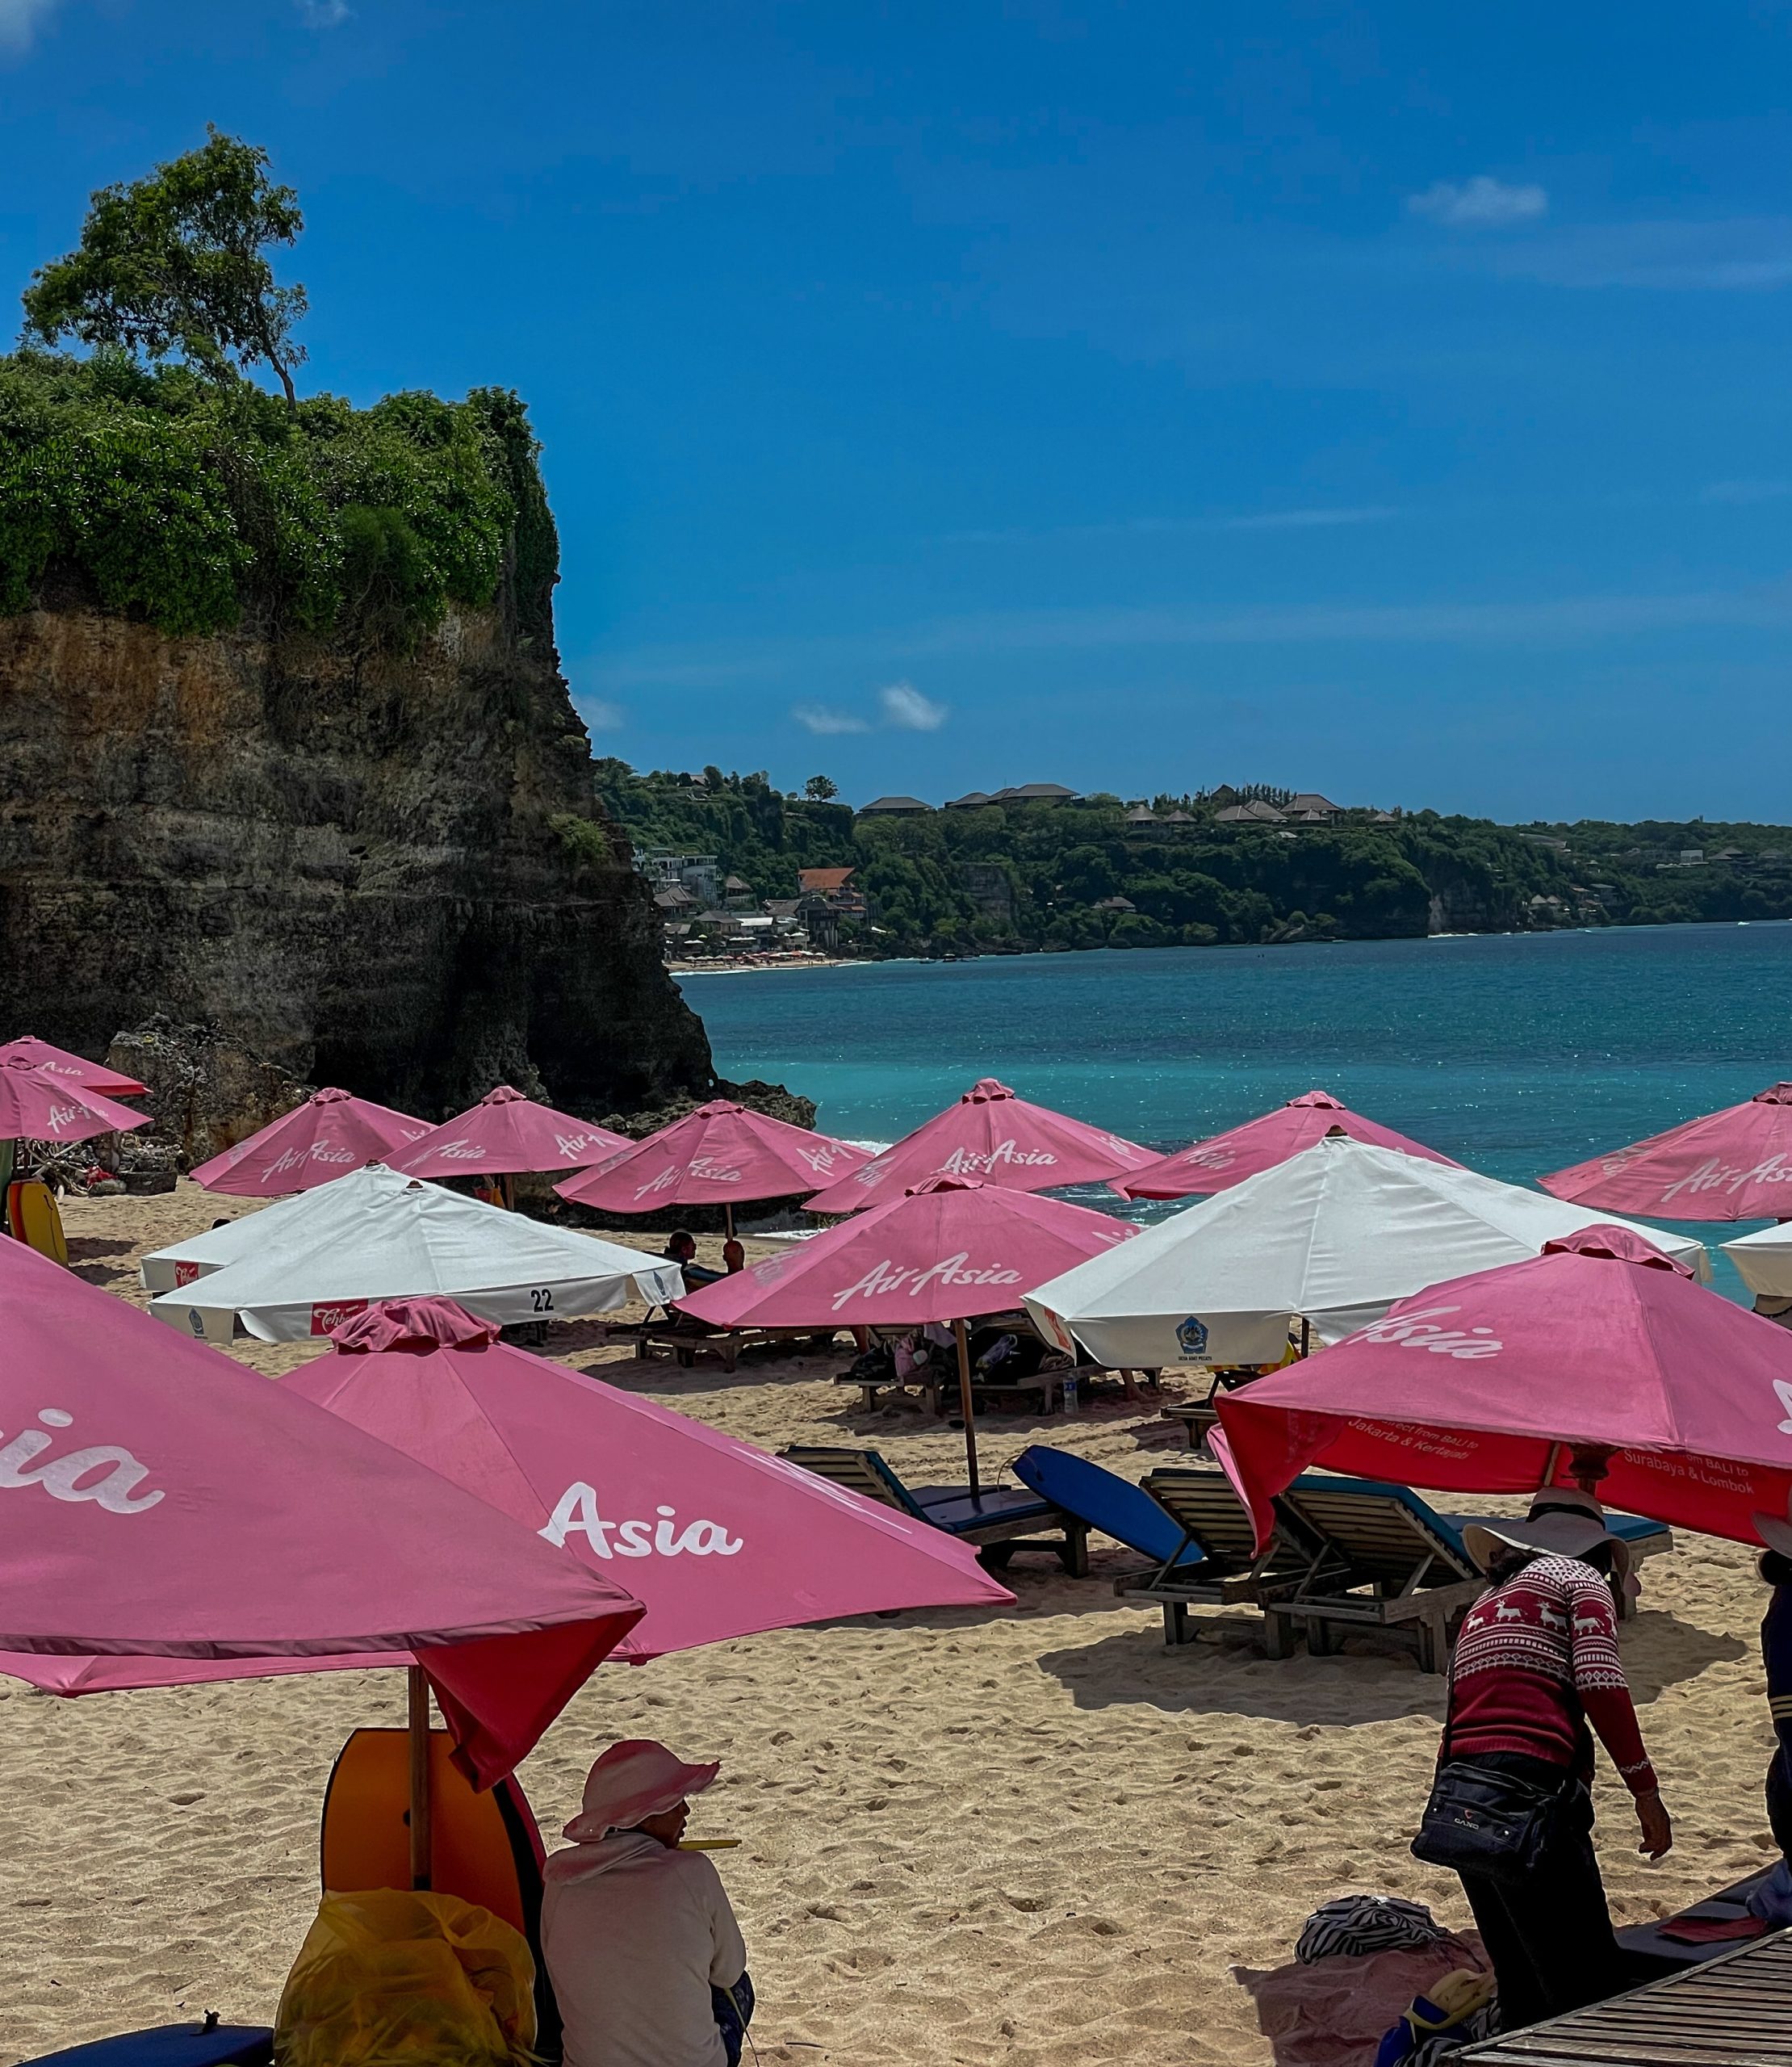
(869, 1474)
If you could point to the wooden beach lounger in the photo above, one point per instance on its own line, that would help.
(1000, 1519)
(1732, 2011)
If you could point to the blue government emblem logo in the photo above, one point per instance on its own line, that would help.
(1191, 1339)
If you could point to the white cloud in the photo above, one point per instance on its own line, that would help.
(816, 718)
(1306, 520)
(18, 20)
(905, 708)
(1482, 203)
(323, 14)
(601, 717)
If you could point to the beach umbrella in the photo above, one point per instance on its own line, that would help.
(1225, 1159)
(167, 1517)
(722, 1155)
(950, 1249)
(329, 1133)
(1330, 1237)
(36, 1105)
(506, 1132)
(180, 1263)
(717, 1538)
(1764, 1261)
(385, 1236)
(996, 1138)
(1732, 1165)
(73, 1070)
(1599, 1363)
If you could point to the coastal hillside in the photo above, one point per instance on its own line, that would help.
(286, 747)
(1222, 867)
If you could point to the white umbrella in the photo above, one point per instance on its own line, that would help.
(1333, 1236)
(385, 1236)
(1763, 1260)
(161, 1270)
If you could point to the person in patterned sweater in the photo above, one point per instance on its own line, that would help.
(1536, 1663)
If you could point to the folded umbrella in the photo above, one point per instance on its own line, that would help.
(998, 1139)
(1599, 1363)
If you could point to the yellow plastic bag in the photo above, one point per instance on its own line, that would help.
(387, 1978)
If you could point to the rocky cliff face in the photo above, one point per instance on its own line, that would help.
(385, 872)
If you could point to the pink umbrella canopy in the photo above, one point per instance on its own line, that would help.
(179, 1518)
(506, 1132)
(717, 1538)
(996, 1138)
(330, 1135)
(36, 1106)
(721, 1154)
(1225, 1159)
(949, 1250)
(1599, 1360)
(75, 1070)
(1732, 1165)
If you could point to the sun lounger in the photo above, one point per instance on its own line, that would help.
(1000, 1520)
(684, 1338)
(1210, 1520)
(1732, 2011)
(1653, 1949)
(1111, 1505)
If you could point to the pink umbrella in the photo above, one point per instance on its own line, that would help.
(996, 1138)
(1732, 1165)
(1598, 1362)
(506, 1132)
(716, 1537)
(179, 1518)
(722, 1155)
(36, 1106)
(74, 1069)
(1225, 1159)
(329, 1133)
(950, 1249)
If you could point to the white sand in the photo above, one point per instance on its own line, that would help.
(1032, 1837)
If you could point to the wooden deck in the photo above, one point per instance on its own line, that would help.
(1733, 2011)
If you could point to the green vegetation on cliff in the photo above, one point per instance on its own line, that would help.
(1076, 874)
(155, 480)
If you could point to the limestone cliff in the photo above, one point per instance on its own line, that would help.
(383, 872)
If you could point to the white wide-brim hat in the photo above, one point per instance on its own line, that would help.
(633, 1780)
(1563, 1521)
(1775, 1531)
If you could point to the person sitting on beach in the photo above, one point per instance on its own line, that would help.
(647, 1962)
(681, 1249)
(1775, 1652)
(734, 1256)
(1537, 1661)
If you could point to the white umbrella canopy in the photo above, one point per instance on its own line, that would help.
(1763, 1260)
(386, 1236)
(1332, 1236)
(180, 1262)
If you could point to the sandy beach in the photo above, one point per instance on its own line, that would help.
(1031, 1836)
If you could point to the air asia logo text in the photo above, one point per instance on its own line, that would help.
(888, 1277)
(577, 1515)
(1713, 1174)
(71, 1477)
(1421, 1330)
(1009, 1155)
(706, 1168)
(296, 1158)
(59, 1116)
(462, 1152)
(325, 1320)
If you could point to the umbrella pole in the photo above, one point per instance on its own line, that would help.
(728, 1218)
(965, 1403)
(9, 1162)
(419, 1734)
(1306, 1335)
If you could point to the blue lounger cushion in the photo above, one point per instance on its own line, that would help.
(172, 2045)
(1105, 1501)
(955, 1508)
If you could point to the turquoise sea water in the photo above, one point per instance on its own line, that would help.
(1516, 1054)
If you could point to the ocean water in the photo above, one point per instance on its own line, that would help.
(1516, 1054)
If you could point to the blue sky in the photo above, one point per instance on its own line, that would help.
(1391, 401)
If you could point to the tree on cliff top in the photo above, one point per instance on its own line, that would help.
(175, 264)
